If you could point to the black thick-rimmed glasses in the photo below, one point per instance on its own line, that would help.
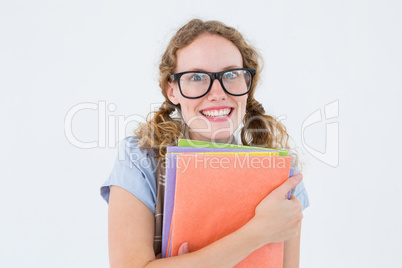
(196, 84)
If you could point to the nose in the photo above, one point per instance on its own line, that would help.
(216, 92)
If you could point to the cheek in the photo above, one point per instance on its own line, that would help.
(241, 106)
(242, 102)
(189, 108)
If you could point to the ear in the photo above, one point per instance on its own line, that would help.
(171, 92)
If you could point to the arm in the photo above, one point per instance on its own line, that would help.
(291, 252)
(131, 230)
(131, 227)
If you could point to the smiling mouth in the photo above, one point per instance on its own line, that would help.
(219, 113)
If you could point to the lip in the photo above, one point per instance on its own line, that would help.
(216, 108)
(219, 119)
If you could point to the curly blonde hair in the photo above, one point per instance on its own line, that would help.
(162, 129)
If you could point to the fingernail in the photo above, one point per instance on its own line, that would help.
(186, 247)
(299, 176)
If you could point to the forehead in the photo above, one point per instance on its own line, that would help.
(209, 52)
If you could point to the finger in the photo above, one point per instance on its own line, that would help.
(183, 249)
(296, 202)
(289, 184)
(293, 198)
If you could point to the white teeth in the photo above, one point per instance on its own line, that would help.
(217, 113)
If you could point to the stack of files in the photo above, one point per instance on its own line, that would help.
(212, 190)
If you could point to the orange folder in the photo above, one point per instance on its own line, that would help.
(217, 194)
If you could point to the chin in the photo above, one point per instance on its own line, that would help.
(218, 137)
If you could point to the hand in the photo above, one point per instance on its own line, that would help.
(276, 218)
(183, 249)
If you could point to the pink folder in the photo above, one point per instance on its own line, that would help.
(217, 194)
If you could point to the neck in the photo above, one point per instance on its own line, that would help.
(197, 136)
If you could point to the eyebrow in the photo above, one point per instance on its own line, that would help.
(204, 70)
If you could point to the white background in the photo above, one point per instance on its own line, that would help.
(57, 54)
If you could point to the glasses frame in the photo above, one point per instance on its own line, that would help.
(213, 76)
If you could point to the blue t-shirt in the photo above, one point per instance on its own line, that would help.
(134, 170)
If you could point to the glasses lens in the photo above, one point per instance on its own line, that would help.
(237, 82)
(194, 84)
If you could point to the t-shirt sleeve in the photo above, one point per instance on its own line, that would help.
(133, 171)
(300, 191)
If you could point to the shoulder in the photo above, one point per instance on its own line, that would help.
(134, 170)
(129, 148)
(130, 144)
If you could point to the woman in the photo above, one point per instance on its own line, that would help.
(199, 78)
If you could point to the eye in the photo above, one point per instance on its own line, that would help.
(231, 75)
(198, 77)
